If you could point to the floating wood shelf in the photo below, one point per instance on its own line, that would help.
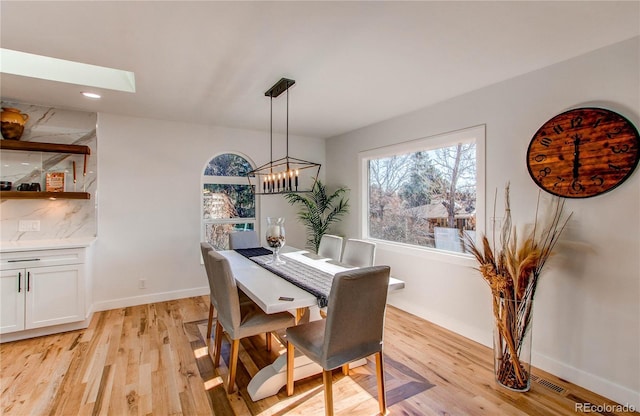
(50, 148)
(43, 195)
(45, 147)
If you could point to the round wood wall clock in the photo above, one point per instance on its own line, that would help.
(583, 152)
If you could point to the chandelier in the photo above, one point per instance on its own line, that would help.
(286, 174)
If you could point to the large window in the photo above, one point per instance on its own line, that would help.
(228, 203)
(426, 192)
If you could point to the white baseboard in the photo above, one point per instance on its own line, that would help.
(47, 330)
(151, 298)
(103, 306)
(607, 388)
(473, 333)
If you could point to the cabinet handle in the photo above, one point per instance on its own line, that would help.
(19, 282)
(28, 281)
(19, 260)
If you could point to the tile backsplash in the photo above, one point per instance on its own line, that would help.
(60, 218)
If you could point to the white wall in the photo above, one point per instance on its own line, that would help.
(587, 316)
(149, 203)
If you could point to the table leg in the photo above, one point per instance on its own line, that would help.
(300, 313)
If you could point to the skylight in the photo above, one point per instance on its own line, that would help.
(54, 69)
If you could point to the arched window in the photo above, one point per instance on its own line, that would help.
(228, 203)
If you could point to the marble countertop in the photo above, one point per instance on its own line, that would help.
(28, 245)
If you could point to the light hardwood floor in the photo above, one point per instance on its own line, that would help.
(153, 359)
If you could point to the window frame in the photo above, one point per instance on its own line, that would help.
(446, 139)
(227, 180)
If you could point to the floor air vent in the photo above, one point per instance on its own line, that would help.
(550, 385)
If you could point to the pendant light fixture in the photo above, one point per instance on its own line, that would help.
(286, 174)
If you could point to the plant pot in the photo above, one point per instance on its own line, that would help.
(13, 122)
(512, 343)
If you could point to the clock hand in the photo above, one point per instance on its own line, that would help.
(576, 156)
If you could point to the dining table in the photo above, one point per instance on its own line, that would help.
(279, 288)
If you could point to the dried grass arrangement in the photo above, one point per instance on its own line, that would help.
(512, 270)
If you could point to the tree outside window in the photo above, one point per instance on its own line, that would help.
(424, 197)
(228, 203)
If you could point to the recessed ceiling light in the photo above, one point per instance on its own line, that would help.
(91, 94)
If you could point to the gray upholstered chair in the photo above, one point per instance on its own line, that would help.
(243, 239)
(359, 253)
(236, 321)
(330, 246)
(205, 248)
(353, 329)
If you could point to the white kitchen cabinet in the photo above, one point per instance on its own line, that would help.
(41, 289)
(12, 297)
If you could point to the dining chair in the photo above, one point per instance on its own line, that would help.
(359, 253)
(243, 239)
(205, 248)
(238, 322)
(330, 246)
(352, 331)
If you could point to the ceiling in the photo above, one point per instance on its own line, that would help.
(354, 63)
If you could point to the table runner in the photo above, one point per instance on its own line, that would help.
(314, 281)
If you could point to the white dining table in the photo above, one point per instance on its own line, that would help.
(266, 289)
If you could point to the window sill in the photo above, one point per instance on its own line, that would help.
(449, 257)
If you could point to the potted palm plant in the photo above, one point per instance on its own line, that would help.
(319, 210)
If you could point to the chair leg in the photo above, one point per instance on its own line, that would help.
(290, 358)
(210, 322)
(345, 369)
(218, 345)
(328, 392)
(382, 398)
(233, 365)
(268, 340)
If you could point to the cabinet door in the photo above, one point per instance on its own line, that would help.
(12, 295)
(54, 296)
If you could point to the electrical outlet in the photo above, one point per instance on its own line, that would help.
(142, 284)
(29, 225)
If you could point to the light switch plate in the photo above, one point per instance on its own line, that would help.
(29, 225)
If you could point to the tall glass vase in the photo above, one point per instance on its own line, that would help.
(275, 238)
(512, 343)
